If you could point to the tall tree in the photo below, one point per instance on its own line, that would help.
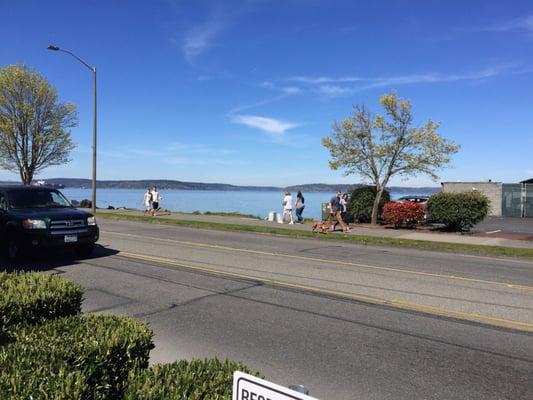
(34, 126)
(379, 147)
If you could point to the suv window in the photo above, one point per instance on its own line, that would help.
(37, 199)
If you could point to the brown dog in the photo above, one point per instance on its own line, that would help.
(320, 227)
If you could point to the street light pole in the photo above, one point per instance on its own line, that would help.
(93, 202)
(93, 69)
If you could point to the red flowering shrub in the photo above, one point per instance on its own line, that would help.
(403, 214)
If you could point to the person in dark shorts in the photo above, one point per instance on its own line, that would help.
(335, 213)
(345, 215)
(156, 197)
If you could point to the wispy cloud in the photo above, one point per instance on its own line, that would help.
(259, 103)
(436, 77)
(201, 37)
(522, 25)
(271, 126)
(316, 80)
(346, 85)
(288, 90)
(517, 24)
(291, 90)
(267, 85)
(217, 17)
(334, 90)
(284, 91)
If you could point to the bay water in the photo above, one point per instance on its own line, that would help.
(258, 203)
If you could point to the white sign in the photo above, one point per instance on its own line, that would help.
(248, 387)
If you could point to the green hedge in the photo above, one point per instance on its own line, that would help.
(362, 202)
(30, 298)
(458, 211)
(77, 357)
(185, 380)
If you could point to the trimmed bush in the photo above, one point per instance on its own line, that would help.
(83, 356)
(30, 298)
(86, 203)
(458, 211)
(362, 202)
(42, 384)
(185, 380)
(403, 214)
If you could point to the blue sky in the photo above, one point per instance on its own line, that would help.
(241, 91)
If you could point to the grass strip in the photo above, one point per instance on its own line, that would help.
(227, 214)
(359, 239)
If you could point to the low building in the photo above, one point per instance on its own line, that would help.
(506, 199)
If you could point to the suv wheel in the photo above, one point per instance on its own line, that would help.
(84, 250)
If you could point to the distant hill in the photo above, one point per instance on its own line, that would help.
(160, 183)
(325, 187)
(167, 184)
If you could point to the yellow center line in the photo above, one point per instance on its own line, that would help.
(322, 260)
(399, 304)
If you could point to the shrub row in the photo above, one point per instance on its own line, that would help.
(185, 380)
(77, 357)
(403, 214)
(31, 298)
(458, 211)
(55, 354)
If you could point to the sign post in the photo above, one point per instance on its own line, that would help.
(248, 387)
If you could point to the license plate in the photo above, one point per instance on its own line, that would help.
(71, 238)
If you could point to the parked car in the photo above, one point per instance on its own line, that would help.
(413, 199)
(422, 200)
(32, 218)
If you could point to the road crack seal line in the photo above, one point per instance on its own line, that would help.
(336, 262)
(403, 305)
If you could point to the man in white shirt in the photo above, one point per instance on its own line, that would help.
(156, 198)
(287, 208)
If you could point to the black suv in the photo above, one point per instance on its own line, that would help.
(37, 217)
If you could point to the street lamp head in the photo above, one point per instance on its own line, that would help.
(54, 48)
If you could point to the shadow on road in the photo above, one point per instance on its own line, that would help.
(46, 260)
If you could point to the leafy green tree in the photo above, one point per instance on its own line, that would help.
(382, 146)
(34, 126)
(362, 202)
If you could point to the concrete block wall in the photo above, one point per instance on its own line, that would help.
(493, 190)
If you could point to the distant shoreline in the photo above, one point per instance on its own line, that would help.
(166, 184)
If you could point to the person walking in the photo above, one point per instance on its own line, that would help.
(345, 200)
(287, 208)
(335, 213)
(344, 211)
(156, 199)
(147, 202)
(299, 207)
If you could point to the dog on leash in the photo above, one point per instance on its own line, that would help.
(320, 227)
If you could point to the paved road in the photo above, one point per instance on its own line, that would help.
(348, 321)
(506, 224)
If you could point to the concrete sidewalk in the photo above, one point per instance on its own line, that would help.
(356, 229)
